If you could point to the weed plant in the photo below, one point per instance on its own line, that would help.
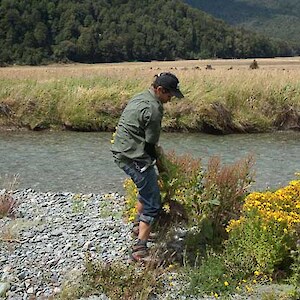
(8, 205)
(116, 280)
(207, 199)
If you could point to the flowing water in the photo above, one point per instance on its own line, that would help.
(81, 162)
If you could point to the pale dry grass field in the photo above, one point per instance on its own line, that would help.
(141, 69)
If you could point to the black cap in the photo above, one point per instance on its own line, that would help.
(170, 82)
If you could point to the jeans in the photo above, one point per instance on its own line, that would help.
(149, 193)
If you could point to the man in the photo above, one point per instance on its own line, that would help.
(134, 150)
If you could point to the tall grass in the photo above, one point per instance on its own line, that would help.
(91, 97)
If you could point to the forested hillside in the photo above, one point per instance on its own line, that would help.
(42, 31)
(274, 18)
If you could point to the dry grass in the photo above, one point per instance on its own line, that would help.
(8, 204)
(196, 81)
(8, 234)
(91, 97)
(145, 70)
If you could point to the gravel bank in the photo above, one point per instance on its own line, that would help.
(50, 236)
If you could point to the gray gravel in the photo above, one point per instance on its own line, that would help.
(50, 236)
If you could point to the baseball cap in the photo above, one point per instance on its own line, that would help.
(170, 82)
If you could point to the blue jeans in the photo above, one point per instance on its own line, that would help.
(149, 193)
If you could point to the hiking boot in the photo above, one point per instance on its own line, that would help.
(135, 232)
(140, 253)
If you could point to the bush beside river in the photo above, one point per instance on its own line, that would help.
(224, 98)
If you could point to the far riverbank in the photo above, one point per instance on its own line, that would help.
(227, 97)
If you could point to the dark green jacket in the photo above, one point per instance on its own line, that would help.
(139, 123)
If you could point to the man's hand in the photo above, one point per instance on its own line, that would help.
(160, 161)
(159, 151)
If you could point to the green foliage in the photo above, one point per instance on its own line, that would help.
(211, 277)
(35, 32)
(275, 18)
(295, 268)
(263, 227)
(86, 105)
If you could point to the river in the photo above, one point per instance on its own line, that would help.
(81, 162)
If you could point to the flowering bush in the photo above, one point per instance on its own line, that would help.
(263, 237)
(206, 199)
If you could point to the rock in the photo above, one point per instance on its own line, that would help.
(57, 232)
(4, 287)
(88, 245)
(22, 275)
(30, 290)
(56, 290)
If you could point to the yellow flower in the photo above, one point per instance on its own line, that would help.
(257, 273)
(248, 288)
(226, 283)
(216, 295)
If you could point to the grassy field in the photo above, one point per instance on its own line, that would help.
(230, 97)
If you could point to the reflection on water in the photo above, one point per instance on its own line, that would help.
(82, 162)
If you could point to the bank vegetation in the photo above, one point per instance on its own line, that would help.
(221, 96)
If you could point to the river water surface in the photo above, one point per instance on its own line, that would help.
(81, 162)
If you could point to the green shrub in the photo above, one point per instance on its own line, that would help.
(295, 268)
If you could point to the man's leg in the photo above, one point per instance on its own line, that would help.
(144, 231)
(148, 206)
(136, 223)
(149, 196)
(139, 207)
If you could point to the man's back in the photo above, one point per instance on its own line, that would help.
(139, 123)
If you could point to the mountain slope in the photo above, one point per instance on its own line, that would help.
(32, 32)
(274, 18)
